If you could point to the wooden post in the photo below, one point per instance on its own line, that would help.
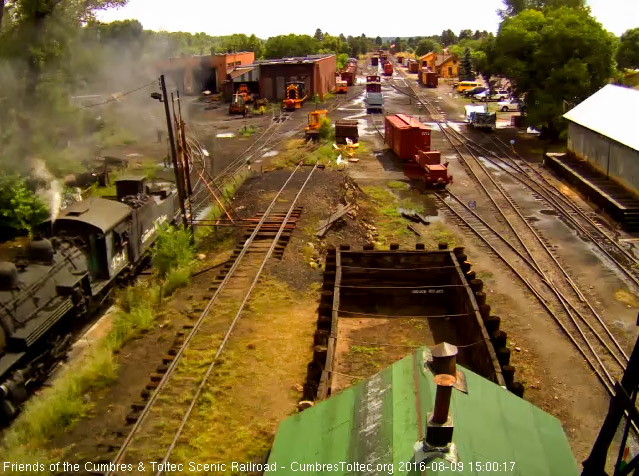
(169, 126)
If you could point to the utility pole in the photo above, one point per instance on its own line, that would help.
(185, 156)
(178, 181)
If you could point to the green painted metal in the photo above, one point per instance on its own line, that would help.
(375, 425)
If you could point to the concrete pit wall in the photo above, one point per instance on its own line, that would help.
(448, 287)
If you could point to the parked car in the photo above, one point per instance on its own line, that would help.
(477, 89)
(511, 105)
(499, 95)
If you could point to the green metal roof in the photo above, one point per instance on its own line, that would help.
(379, 421)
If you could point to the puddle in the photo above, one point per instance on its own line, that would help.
(225, 135)
(549, 212)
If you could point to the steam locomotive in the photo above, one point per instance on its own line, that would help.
(56, 282)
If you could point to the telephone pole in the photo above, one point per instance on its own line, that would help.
(178, 182)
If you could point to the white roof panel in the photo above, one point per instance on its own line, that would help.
(613, 112)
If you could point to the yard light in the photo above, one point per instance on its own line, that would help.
(157, 96)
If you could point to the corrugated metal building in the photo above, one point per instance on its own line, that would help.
(317, 72)
(604, 130)
(382, 421)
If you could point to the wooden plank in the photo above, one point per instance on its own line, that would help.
(326, 224)
(414, 230)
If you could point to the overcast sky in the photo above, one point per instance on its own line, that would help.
(267, 18)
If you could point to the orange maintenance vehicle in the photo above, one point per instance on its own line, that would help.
(295, 95)
(341, 86)
(314, 122)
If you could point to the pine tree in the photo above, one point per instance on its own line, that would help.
(466, 67)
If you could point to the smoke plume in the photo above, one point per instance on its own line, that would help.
(49, 189)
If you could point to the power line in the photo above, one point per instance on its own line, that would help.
(119, 96)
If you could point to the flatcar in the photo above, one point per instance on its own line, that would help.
(427, 168)
(57, 281)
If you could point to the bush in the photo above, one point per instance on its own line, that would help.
(20, 209)
(136, 313)
(326, 129)
(173, 249)
(177, 278)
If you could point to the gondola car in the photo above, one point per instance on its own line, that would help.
(56, 281)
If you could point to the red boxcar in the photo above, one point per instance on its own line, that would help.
(350, 73)
(406, 135)
(413, 66)
(388, 69)
(431, 79)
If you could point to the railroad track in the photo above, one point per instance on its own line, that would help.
(512, 238)
(587, 225)
(202, 197)
(159, 424)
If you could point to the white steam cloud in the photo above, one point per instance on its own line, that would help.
(52, 192)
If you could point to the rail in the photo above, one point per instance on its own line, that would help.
(592, 346)
(164, 382)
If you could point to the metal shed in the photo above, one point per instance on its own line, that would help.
(378, 423)
(604, 131)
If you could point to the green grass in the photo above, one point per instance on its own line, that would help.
(391, 226)
(175, 279)
(389, 222)
(363, 350)
(397, 185)
(440, 234)
(308, 153)
(247, 131)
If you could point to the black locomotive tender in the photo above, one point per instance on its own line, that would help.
(59, 280)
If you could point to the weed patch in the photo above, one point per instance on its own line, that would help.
(247, 131)
(397, 185)
(308, 153)
(363, 350)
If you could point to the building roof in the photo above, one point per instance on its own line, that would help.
(441, 59)
(294, 60)
(427, 55)
(379, 421)
(101, 213)
(243, 74)
(612, 112)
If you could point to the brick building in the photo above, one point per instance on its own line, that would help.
(194, 74)
(317, 72)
